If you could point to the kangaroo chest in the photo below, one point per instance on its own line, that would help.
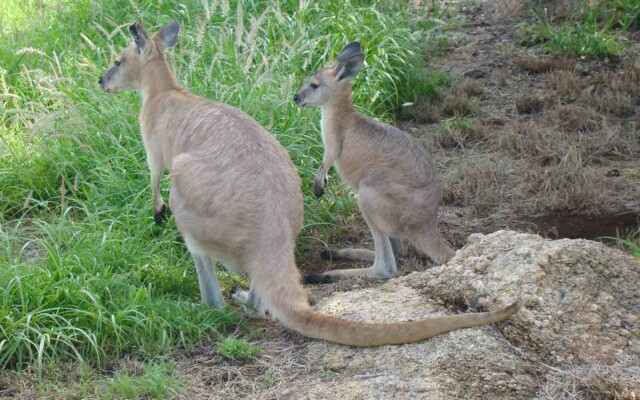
(334, 147)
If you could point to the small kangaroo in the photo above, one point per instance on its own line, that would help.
(235, 196)
(392, 173)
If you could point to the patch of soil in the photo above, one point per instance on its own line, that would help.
(581, 227)
(544, 144)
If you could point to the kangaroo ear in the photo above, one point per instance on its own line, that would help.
(168, 34)
(349, 67)
(349, 51)
(140, 37)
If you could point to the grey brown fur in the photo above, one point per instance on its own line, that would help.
(235, 196)
(394, 175)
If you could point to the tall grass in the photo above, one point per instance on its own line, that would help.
(84, 272)
(591, 27)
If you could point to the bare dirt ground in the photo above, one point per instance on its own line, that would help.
(529, 141)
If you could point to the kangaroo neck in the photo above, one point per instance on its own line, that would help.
(157, 79)
(336, 113)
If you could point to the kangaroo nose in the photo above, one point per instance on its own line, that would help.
(296, 97)
(100, 80)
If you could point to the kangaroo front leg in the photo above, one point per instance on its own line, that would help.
(210, 292)
(331, 153)
(156, 167)
(320, 181)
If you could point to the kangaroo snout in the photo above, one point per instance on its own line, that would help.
(102, 81)
(299, 99)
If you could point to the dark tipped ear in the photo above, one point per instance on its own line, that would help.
(349, 51)
(349, 67)
(168, 34)
(140, 37)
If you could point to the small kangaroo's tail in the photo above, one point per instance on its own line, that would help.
(287, 301)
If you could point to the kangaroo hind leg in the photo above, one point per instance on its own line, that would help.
(361, 254)
(210, 292)
(384, 262)
(431, 243)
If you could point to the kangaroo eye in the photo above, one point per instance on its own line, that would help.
(314, 86)
(117, 63)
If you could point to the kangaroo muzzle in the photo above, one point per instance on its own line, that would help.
(298, 98)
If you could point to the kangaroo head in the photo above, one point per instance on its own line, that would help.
(330, 82)
(139, 58)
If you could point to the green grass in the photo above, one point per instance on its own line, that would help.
(126, 379)
(631, 243)
(84, 273)
(593, 28)
(238, 349)
(158, 381)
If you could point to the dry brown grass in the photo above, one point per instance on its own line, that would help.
(529, 103)
(469, 87)
(567, 186)
(574, 122)
(609, 101)
(463, 99)
(479, 182)
(501, 77)
(609, 92)
(566, 83)
(506, 50)
(598, 140)
(283, 358)
(574, 118)
(457, 134)
(427, 110)
(524, 138)
(503, 9)
(620, 381)
(564, 129)
(537, 64)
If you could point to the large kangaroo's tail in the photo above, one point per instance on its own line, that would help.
(287, 301)
(318, 326)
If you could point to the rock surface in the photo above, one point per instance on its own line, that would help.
(581, 308)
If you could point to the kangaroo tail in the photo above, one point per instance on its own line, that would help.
(287, 301)
(315, 325)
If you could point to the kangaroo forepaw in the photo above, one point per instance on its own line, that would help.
(160, 215)
(318, 190)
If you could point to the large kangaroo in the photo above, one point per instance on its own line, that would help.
(235, 197)
(393, 174)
